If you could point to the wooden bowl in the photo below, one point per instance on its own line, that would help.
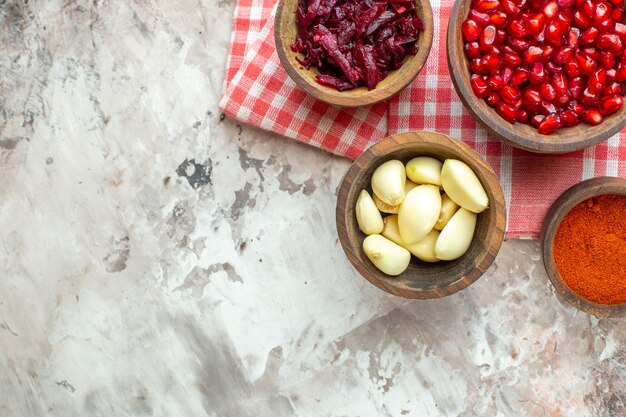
(559, 209)
(285, 35)
(519, 135)
(421, 279)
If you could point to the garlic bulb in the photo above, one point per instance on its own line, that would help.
(463, 186)
(456, 236)
(419, 212)
(424, 170)
(388, 181)
(367, 215)
(387, 256)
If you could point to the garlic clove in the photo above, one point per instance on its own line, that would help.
(448, 208)
(388, 181)
(367, 215)
(463, 186)
(387, 256)
(384, 207)
(419, 212)
(424, 249)
(456, 236)
(424, 170)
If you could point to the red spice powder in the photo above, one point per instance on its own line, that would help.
(590, 249)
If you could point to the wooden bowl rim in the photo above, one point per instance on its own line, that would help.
(558, 210)
(495, 240)
(360, 96)
(519, 135)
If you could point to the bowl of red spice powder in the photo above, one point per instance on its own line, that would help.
(584, 246)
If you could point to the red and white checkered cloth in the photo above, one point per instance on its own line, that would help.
(259, 92)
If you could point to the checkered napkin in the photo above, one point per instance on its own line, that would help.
(259, 92)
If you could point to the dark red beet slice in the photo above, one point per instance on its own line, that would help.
(355, 42)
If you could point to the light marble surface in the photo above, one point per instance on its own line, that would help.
(157, 260)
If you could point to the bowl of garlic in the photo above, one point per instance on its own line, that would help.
(420, 215)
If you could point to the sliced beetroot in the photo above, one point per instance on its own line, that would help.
(355, 42)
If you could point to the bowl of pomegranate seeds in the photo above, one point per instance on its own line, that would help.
(542, 75)
(353, 52)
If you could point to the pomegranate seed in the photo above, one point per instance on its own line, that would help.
(476, 66)
(546, 107)
(535, 23)
(532, 54)
(518, 45)
(565, 4)
(501, 36)
(470, 30)
(498, 19)
(562, 99)
(579, 19)
(563, 55)
(509, 7)
(601, 13)
(547, 91)
(610, 105)
(537, 73)
(552, 67)
(554, 34)
(520, 76)
(487, 37)
(563, 21)
(559, 82)
(609, 41)
(551, 9)
(495, 82)
(517, 28)
(620, 29)
(482, 19)
(537, 119)
(487, 5)
(512, 59)
(592, 116)
(472, 50)
(493, 62)
(572, 37)
(588, 37)
(569, 118)
(522, 116)
(587, 65)
(507, 72)
(576, 107)
(589, 98)
(532, 98)
(479, 86)
(549, 124)
(620, 74)
(588, 8)
(507, 112)
(492, 99)
(607, 25)
(612, 89)
(572, 69)
(607, 59)
(597, 80)
(510, 94)
(610, 74)
(592, 53)
(617, 14)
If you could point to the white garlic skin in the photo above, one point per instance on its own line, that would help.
(424, 170)
(367, 215)
(456, 237)
(419, 212)
(388, 181)
(462, 185)
(387, 256)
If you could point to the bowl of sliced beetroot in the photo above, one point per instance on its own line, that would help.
(542, 75)
(353, 52)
